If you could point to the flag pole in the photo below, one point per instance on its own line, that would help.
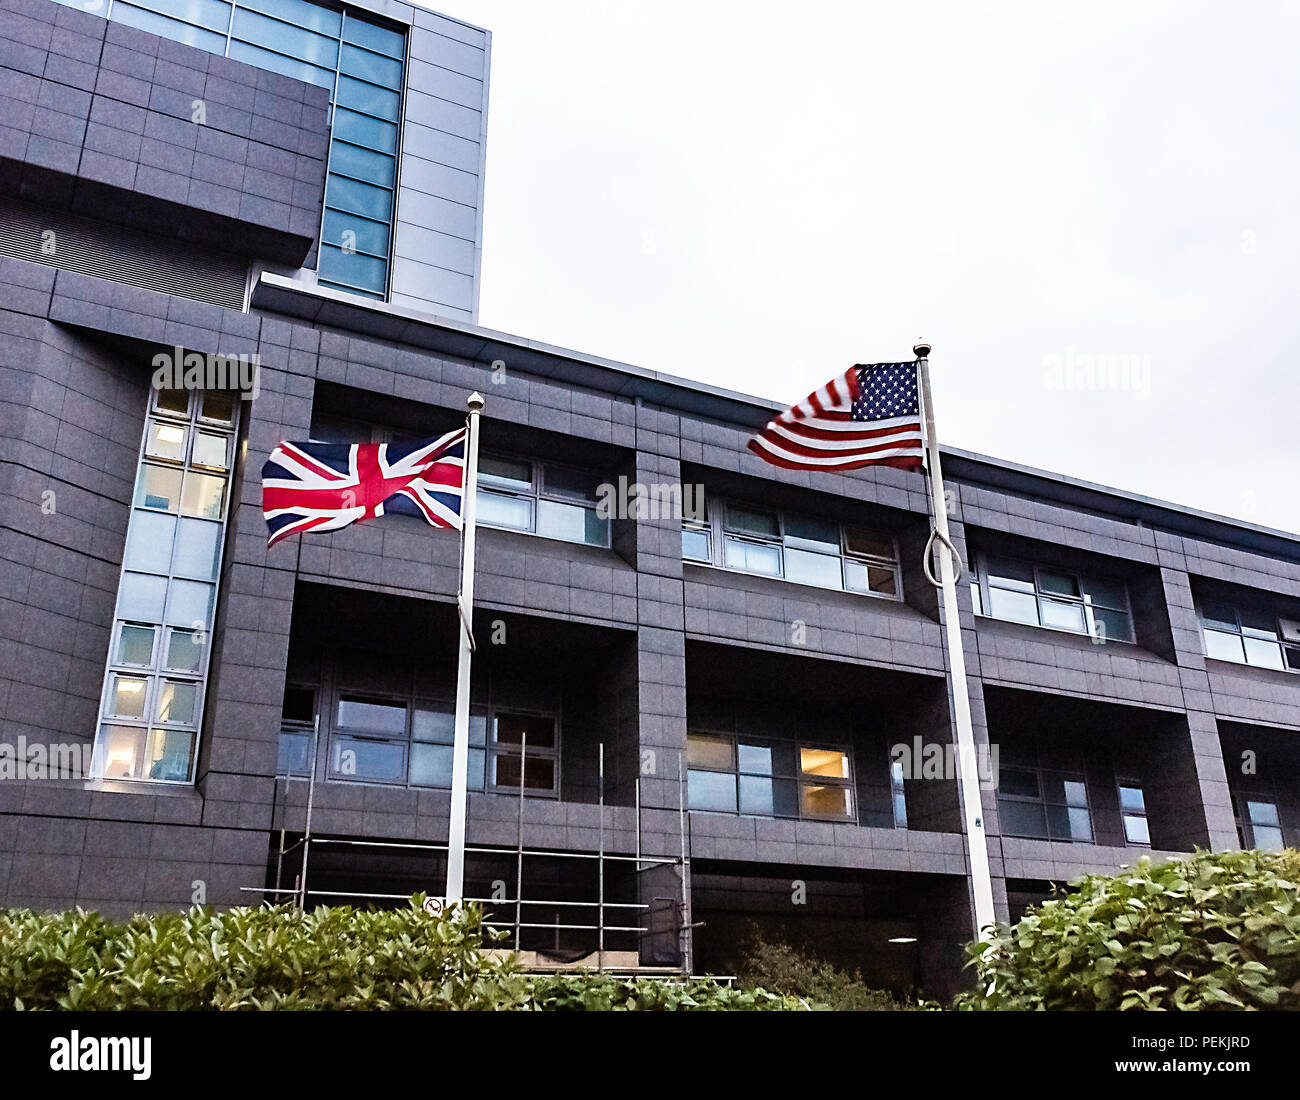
(465, 613)
(972, 810)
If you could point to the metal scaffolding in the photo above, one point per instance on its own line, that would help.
(623, 925)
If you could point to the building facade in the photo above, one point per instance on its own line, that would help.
(708, 694)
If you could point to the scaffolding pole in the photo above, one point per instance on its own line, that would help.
(311, 801)
(519, 850)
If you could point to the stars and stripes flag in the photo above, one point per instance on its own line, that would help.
(868, 416)
(326, 486)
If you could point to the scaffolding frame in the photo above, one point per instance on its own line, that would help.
(641, 862)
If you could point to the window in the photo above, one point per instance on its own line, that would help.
(547, 499)
(1133, 809)
(1258, 823)
(768, 778)
(897, 794)
(1020, 592)
(1044, 803)
(297, 726)
(359, 61)
(152, 703)
(804, 549)
(1249, 637)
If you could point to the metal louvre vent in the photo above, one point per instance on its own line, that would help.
(74, 243)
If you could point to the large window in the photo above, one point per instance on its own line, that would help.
(548, 499)
(1020, 592)
(1133, 808)
(1044, 803)
(360, 63)
(807, 550)
(158, 655)
(1250, 637)
(769, 778)
(1258, 823)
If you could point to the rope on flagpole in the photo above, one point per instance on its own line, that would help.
(928, 556)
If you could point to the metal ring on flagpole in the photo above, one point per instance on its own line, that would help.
(936, 536)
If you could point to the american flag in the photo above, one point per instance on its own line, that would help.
(868, 416)
(326, 486)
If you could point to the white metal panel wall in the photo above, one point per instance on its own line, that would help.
(438, 236)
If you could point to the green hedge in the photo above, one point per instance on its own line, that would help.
(1213, 931)
(331, 958)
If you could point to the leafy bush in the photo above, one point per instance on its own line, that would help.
(1214, 931)
(779, 966)
(331, 958)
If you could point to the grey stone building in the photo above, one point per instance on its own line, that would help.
(712, 694)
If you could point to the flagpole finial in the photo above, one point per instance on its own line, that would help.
(475, 400)
(921, 349)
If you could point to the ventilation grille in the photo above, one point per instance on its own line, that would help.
(125, 255)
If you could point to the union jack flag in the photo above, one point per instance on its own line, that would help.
(326, 486)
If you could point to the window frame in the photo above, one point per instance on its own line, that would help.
(1246, 825)
(714, 526)
(982, 603)
(1287, 650)
(1124, 813)
(539, 491)
(1067, 776)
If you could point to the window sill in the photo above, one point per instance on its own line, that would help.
(799, 584)
(1253, 668)
(1061, 631)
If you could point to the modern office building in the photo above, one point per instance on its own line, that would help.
(685, 708)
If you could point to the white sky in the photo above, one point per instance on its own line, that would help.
(758, 195)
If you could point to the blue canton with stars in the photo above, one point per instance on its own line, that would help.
(886, 391)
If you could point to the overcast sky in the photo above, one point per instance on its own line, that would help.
(1089, 210)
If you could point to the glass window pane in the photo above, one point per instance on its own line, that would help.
(1015, 607)
(752, 522)
(538, 771)
(1262, 813)
(881, 580)
(1131, 798)
(361, 129)
(296, 42)
(1080, 824)
(299, 704)
(1011, 574)
(566, 482)
(1258, 624)
(295, 750)
(210, 450)
(120, 752)
(1058, 822)
(817, 801)
(1136, 829)
(149, 542)
(164, 440)
(695, 545)
(809, 568)
(1106, 593)
(1224, 647)
(825, 762)
(1062, 616)
(1022, 818)
(368, 99)
(185, 650)
(189, 604)
(505, 473)
(859, 540)
(812, 534)
(177, 700)
(570, 522)
(757, 796)
(367, 236)
(711, 791)
(174, 29)
(372, 67)
(135, 645)
(211, 14)
(353, 268)
(1076, 793)
(126, 695)
(372, 715)
(433, 723)
(141, 597)
(1113, 625)
(278, 63)
(303, 12)
(1217, 614)
(172, 401)
(1264, 654)
(1018, 781)
(362, 164)
(755, 759)
(203, 495)
(752, 557)
(1268, 839)
(374, 38)
(431, 765)
(1058, 584)
(218, 406)
(375, 760)
(497, 510)
(510, 730)
(197, 549)
(706, 751)
(158, 487)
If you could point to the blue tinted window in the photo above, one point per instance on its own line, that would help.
(371, 66)
(362, 164)
(358, 198)
(374, 37)
(168, 28)
(364, 130)
(368, 236)
(312, 16)
(352, 269)
(212, 14)
(366, 97)
(277, 63)
(283, 38)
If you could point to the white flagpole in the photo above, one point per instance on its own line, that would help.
(972, 810)
(465, 611)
